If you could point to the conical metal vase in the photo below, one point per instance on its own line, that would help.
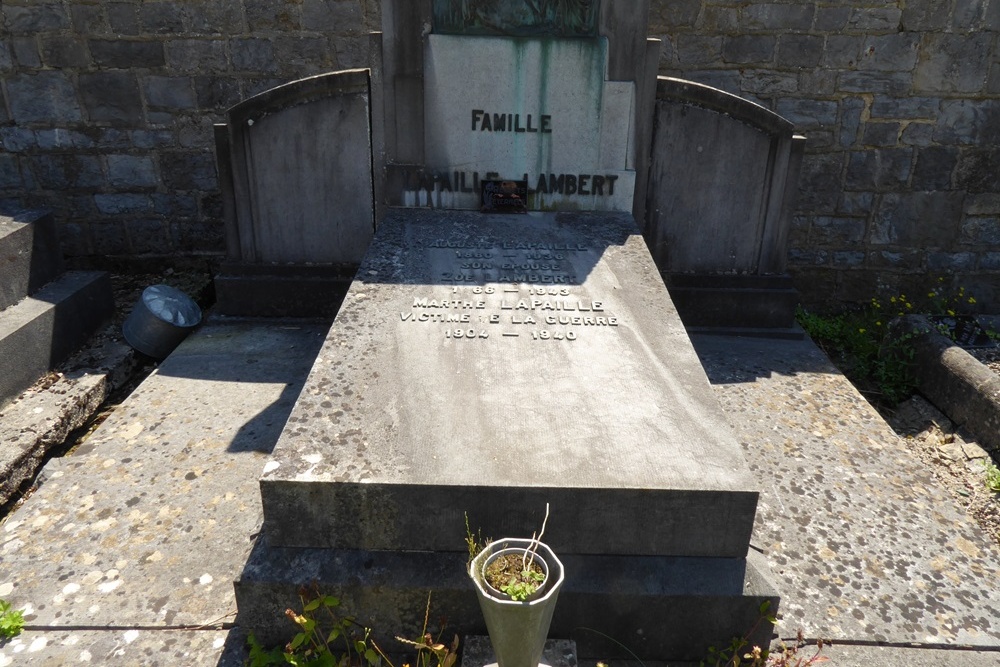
(518, 629)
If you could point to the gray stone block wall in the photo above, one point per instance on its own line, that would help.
(900, 103)
(107, 107)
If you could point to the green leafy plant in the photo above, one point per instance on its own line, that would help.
(859, 342)
(521, 589)
(738, 655)
(878, 361)
(328, 641)
(992, 477)
(11, 621)
(942, 302)
(519, 576)
(474, 542)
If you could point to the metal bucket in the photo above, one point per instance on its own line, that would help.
(161, 319)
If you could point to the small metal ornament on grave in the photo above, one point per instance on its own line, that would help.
(504, 196)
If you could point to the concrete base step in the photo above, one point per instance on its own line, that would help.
(707, 522)
(478, 652)
(740, 302)
(258, 290)
(42, 421)
(660, 608)
(30, 255)
(42, 330)
(789, 333)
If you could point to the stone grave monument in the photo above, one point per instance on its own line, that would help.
(508, 342)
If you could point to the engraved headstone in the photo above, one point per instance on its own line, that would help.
(545, 105)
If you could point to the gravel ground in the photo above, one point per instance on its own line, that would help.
(989, 358)
(956, 462)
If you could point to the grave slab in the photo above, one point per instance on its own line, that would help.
(491, 364)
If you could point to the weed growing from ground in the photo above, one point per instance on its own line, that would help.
(860, 343)
(430, 651)
(327, 639)
(11, 621)
(737, 654)
(474, 542)
(992, 476)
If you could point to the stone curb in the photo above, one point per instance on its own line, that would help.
(41, 420)
(954, 381)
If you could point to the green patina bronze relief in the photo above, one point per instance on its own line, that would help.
(521, 18)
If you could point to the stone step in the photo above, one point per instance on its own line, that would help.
(271, 290)
(30, 255)
(41, 330)
(658, 608)
(478, 652)
(489, 365)
(708, 302)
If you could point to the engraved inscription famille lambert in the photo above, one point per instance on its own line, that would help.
(507, 289)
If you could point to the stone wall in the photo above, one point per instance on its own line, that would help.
(900, 103)
(106, 108)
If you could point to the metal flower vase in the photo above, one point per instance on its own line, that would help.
(518, 630)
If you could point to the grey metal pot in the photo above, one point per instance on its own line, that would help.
(161, 319)
(518, 629)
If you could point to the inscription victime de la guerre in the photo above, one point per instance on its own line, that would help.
(507, 290)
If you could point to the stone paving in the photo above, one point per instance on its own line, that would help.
(862, 545)
(134, 540)
(126, 554)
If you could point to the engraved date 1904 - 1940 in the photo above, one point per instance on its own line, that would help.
(500, 311)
